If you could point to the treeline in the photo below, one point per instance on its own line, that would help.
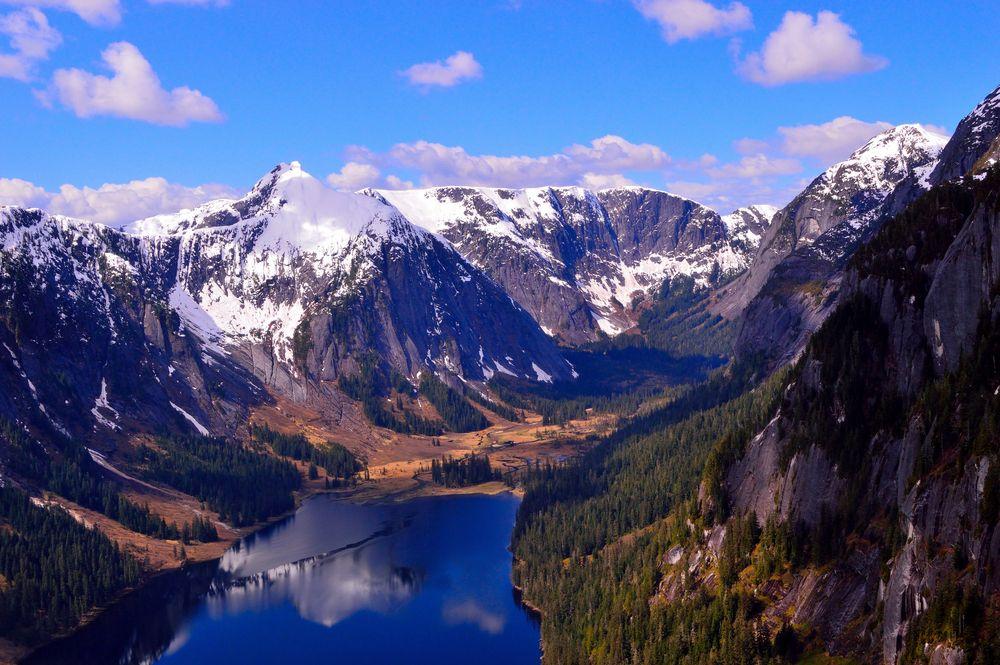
(457, 413)
(75, 476)
(615, 377)
(469, 470)
(339, 462)
(370, 387)
(503, 410)
(594, 586)
(680, 323)
(53, 569)
(243, 486)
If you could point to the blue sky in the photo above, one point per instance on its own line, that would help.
(677, 86)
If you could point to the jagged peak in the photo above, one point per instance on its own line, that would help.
(897, 141)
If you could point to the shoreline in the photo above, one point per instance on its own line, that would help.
(12, 653)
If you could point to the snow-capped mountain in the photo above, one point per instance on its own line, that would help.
(975, 144)
(793, 279)
(287, 287)
(577, 259)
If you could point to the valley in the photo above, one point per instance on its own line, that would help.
(594, 423)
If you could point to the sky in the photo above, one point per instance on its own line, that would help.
(114, 110)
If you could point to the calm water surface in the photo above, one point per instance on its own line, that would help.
(422, 581)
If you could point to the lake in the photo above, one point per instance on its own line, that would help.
(423, 581)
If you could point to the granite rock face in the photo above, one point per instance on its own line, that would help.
(793, 280)
(185, 321)
(577, 259)
(930, 283)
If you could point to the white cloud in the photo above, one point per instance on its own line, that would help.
(831, 141)
(604, 181)
(31, 39)
(802, 49)
(133, 91)
(95, 12)
(756, 166)
(748, 146)
(354, 176)
(111, 204)
(690, 19)
(437, 164)
(457, 67)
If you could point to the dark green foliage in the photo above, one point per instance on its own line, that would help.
(200, 529)
(679, 321)
(741, 538)
(471, 470)
(302, 343)
(457, 413)
(503, 410)
(76, 477)
(615, 376)
(633, 478)
(370, 387)
(957, 615)
(338, 461)
(56, 569)
(243, 486)
(841, 409)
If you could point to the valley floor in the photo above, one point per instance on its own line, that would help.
(398, 470)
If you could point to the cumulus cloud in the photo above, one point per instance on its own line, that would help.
(690, 19)
(457, 67)
(354, 176)
(111, 204)
(94, 12)
(133, 91)
(438, 164)
(31, 40)
(830, 141)
(756, 166)
(604, 180)
(804, 49)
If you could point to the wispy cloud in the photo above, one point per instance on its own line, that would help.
(132, 91)
(807, 49)
(31, 40)
(456, 68)
(691, 19)
(94, 12)
(830, 141)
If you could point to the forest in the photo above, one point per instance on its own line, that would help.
(243, 486)
(76, 477)
(339, 462)
(462, 472)
(53, 569)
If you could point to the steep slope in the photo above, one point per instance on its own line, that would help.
(185, 321)
(90, 348)
(577, 259)
(887, 441)
(300, 279)
(849, 506)
(794, 278)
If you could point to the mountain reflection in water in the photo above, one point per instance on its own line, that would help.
(336, 578)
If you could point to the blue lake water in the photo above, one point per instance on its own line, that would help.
(423, 581)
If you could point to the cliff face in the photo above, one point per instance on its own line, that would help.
(794, 279)
(577, 259)
(186, 321)
(887, 436)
